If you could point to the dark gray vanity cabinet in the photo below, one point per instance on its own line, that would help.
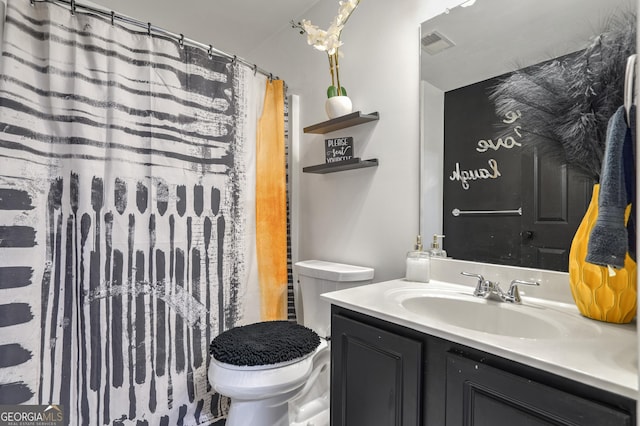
(383, 374)
(377, 373)
(480, 395)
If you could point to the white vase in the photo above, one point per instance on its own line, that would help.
(337, 106)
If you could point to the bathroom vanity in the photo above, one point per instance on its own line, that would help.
(432, 354)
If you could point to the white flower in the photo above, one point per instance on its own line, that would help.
(332, 41)
(322, 40)
(329, 41)
(332, 45)
(346, 7)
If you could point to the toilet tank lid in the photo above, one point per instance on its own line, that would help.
(333, 271)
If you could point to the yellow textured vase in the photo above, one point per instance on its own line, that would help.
(597, 294)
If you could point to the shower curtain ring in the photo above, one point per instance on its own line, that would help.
(149, 28)
(270, 77)
(181, 41)
(255, 69)
(33, 2)
(210, 51)
(73, 7)
(113, 17)
(235, 58)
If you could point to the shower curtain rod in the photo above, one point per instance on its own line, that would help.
(73, 6)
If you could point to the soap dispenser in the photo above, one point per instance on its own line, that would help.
(435, 249)
(418, 263)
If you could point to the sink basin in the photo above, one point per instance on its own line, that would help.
(487, 316)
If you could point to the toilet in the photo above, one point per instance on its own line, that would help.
(287, 385)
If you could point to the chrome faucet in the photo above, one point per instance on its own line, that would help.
(491, 290)
(484, 288)
(513, 294)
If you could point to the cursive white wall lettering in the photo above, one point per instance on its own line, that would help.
(511, 117)
(464, 176)
(508, 142)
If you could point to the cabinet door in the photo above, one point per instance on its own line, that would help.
(375, 376)
(480, 395)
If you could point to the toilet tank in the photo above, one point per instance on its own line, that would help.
(316, 277)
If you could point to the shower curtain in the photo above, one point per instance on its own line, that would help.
(127, 217)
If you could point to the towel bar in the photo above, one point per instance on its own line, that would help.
(458, 212)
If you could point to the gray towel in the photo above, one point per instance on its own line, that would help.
(608, 243)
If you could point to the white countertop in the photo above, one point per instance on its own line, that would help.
(602, 355)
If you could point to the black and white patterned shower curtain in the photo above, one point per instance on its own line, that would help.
(125, 206)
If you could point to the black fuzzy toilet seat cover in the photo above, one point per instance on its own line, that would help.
(264, 343)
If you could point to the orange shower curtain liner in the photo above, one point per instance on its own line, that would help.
(271, 204)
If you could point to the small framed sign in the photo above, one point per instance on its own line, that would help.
(338, 149)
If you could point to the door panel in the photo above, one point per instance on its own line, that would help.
(379, 375)
(554, 200)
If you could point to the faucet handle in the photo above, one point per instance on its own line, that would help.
(469, 274)
(481, 287)
(513, 294)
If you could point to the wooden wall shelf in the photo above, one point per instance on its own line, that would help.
(342, 122)
(340, 166)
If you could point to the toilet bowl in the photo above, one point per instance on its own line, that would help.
(260, 395)
(311, 405)
(260, 367)
(294, 391)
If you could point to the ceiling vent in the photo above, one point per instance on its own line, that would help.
(434, 43)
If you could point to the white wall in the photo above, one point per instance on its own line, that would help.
(370, 216)
(432, 133)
